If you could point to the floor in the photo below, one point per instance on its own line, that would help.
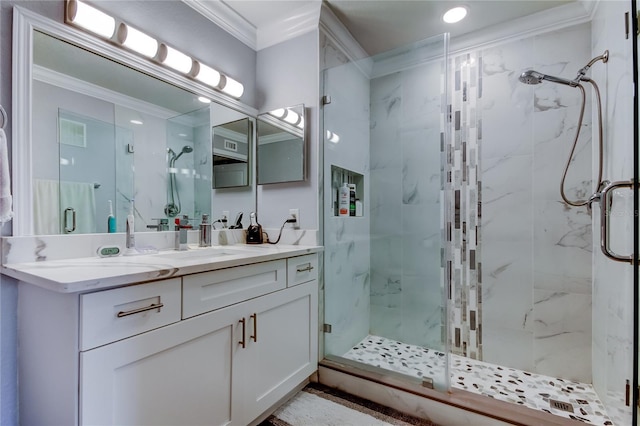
(319, 405)
(574, 400)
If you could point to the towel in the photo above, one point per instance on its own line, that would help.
(51, 198)
(6, 200)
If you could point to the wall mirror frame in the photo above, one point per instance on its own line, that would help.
(25, 24)
(281, 145)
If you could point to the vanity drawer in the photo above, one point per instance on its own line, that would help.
(302, 269)
(110, 315)
(213, 290)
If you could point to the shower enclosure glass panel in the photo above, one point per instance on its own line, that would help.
(189, 165)
(384, 137)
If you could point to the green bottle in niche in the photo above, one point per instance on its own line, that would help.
(352, 199)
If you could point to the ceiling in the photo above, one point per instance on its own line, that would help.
(381, 25)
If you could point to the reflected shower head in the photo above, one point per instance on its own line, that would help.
(535, 77)
(185, 150)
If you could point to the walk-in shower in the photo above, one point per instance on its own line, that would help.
(468, 272)
(174, 207)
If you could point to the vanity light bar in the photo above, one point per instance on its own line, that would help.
(90, 18)
(137, 41)
(95, 21)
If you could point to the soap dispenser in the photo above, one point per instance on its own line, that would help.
(254, 231)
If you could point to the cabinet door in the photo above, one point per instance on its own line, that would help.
(179, 375)
(281, 350)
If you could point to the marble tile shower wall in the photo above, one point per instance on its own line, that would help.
(406, 289)
(536, 252)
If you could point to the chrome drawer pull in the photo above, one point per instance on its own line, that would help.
(140, 310)
(307, 268)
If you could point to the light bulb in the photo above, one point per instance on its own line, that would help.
(91, 19)
(177, 60)
(137, 41)
(208, 75)
(233, 88)
(455, 14)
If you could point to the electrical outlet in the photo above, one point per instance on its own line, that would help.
(295, 213)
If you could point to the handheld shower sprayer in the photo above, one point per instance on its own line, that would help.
(535, 77)
(173, 206)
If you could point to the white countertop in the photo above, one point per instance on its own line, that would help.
(92, 273)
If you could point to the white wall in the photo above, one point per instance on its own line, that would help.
(287, 75)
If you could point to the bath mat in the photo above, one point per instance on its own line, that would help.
(318, 405)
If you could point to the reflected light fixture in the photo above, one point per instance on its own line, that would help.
(90, 18)
(292, 117)
(332, 137)
(207, 75)
(455, 14)
(175, 59)
(137, 41)
(279, 113)
(232, 87)
(135, 122)
(204, 100)
(301, 123)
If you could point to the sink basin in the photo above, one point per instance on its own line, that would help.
(197, 254)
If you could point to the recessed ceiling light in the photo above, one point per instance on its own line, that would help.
(204, 100)
(138, 122)
(454, 15)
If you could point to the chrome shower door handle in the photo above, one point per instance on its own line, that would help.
(605, 213)
(67, 229)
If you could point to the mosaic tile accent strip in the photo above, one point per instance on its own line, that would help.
(536, 391)
(463, 213)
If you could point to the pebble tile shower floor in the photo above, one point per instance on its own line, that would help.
(506, 384)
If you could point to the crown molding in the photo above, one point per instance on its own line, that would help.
(301, 20)
(226, 18)
(554, 19)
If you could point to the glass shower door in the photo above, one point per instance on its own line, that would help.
(384, 137)
(85, 185)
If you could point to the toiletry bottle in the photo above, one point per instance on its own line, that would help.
(131, 239)
(352, 199)
(205, 231)
(343, 200)
(111, 220)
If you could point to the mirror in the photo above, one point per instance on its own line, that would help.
(95, 130)
(281, 145)
(231, 143)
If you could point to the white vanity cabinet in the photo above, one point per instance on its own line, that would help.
(130, 355)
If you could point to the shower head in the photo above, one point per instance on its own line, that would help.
(535, 77)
